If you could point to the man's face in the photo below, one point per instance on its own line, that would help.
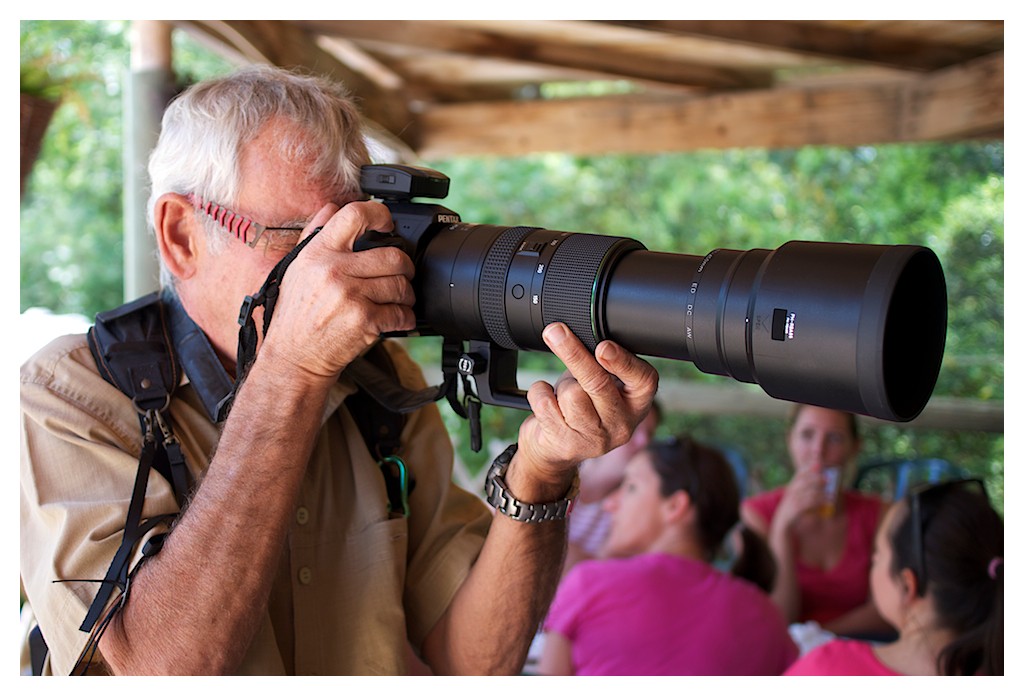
(275, 191)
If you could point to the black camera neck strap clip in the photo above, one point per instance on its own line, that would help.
(455, 370)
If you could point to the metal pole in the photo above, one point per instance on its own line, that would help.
(150, 85)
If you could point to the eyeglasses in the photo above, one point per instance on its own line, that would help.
(932, 492)
(244, 228)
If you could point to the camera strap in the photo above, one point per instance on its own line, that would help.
(266, 298)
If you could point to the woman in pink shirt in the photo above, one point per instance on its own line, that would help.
(820, 533)
(656, 605)
(937, 575)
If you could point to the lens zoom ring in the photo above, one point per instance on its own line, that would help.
(492, 284)
(569, 284)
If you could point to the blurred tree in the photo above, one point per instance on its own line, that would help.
(70, 217)
(71, 214)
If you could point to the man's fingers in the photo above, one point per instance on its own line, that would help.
(544, 403)
(347, 224)
(319, 220)
(585, 369)
(577, 406)
(587, 412)
(639, 378)
(590, 396)
(612, 378)
(374, 263)
(394, 289)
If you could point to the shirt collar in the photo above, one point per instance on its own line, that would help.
(198, 359)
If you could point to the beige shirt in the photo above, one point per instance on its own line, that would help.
(355, 584)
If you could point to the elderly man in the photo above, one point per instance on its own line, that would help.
(287, 558)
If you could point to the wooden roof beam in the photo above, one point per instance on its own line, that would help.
(961, 102)
(583, 45)
(947, 104)
(891, 44)
(451, 77)
(286, 45)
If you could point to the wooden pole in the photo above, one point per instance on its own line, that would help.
(150, 85)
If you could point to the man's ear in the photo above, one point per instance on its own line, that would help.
(177, 234)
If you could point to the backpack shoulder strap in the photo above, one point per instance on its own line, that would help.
(132, 348)
(133, 351)
(380, 427)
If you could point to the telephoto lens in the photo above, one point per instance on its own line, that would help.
(855, 327)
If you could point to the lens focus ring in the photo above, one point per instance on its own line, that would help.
(492, 284)
(569, 286)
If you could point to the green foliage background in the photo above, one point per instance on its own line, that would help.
(945, 196)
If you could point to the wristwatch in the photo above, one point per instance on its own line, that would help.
(504, 502)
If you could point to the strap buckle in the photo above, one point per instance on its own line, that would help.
(396, 482)
(249, 304)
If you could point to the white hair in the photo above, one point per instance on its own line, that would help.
(207, 126)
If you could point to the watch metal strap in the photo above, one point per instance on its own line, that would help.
(499, 497)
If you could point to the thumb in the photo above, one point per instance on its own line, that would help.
(319, 220)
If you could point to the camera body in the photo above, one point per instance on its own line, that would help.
(854, 327)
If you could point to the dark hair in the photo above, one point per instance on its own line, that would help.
(683, 464)
(794, 412)
(962, 542)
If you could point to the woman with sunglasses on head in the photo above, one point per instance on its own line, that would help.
(937, 575)
(655, 605)
(821, 533)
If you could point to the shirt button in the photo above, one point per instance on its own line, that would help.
(302, 515)
(305, 575)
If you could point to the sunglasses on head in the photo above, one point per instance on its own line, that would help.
(932, 492)
(674, 461)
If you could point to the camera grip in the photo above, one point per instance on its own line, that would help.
(371, 239)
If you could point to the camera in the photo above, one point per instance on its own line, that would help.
(854, 327)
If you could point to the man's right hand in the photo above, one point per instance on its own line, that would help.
(334, 302)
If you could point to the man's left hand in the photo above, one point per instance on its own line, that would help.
(592, 409)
